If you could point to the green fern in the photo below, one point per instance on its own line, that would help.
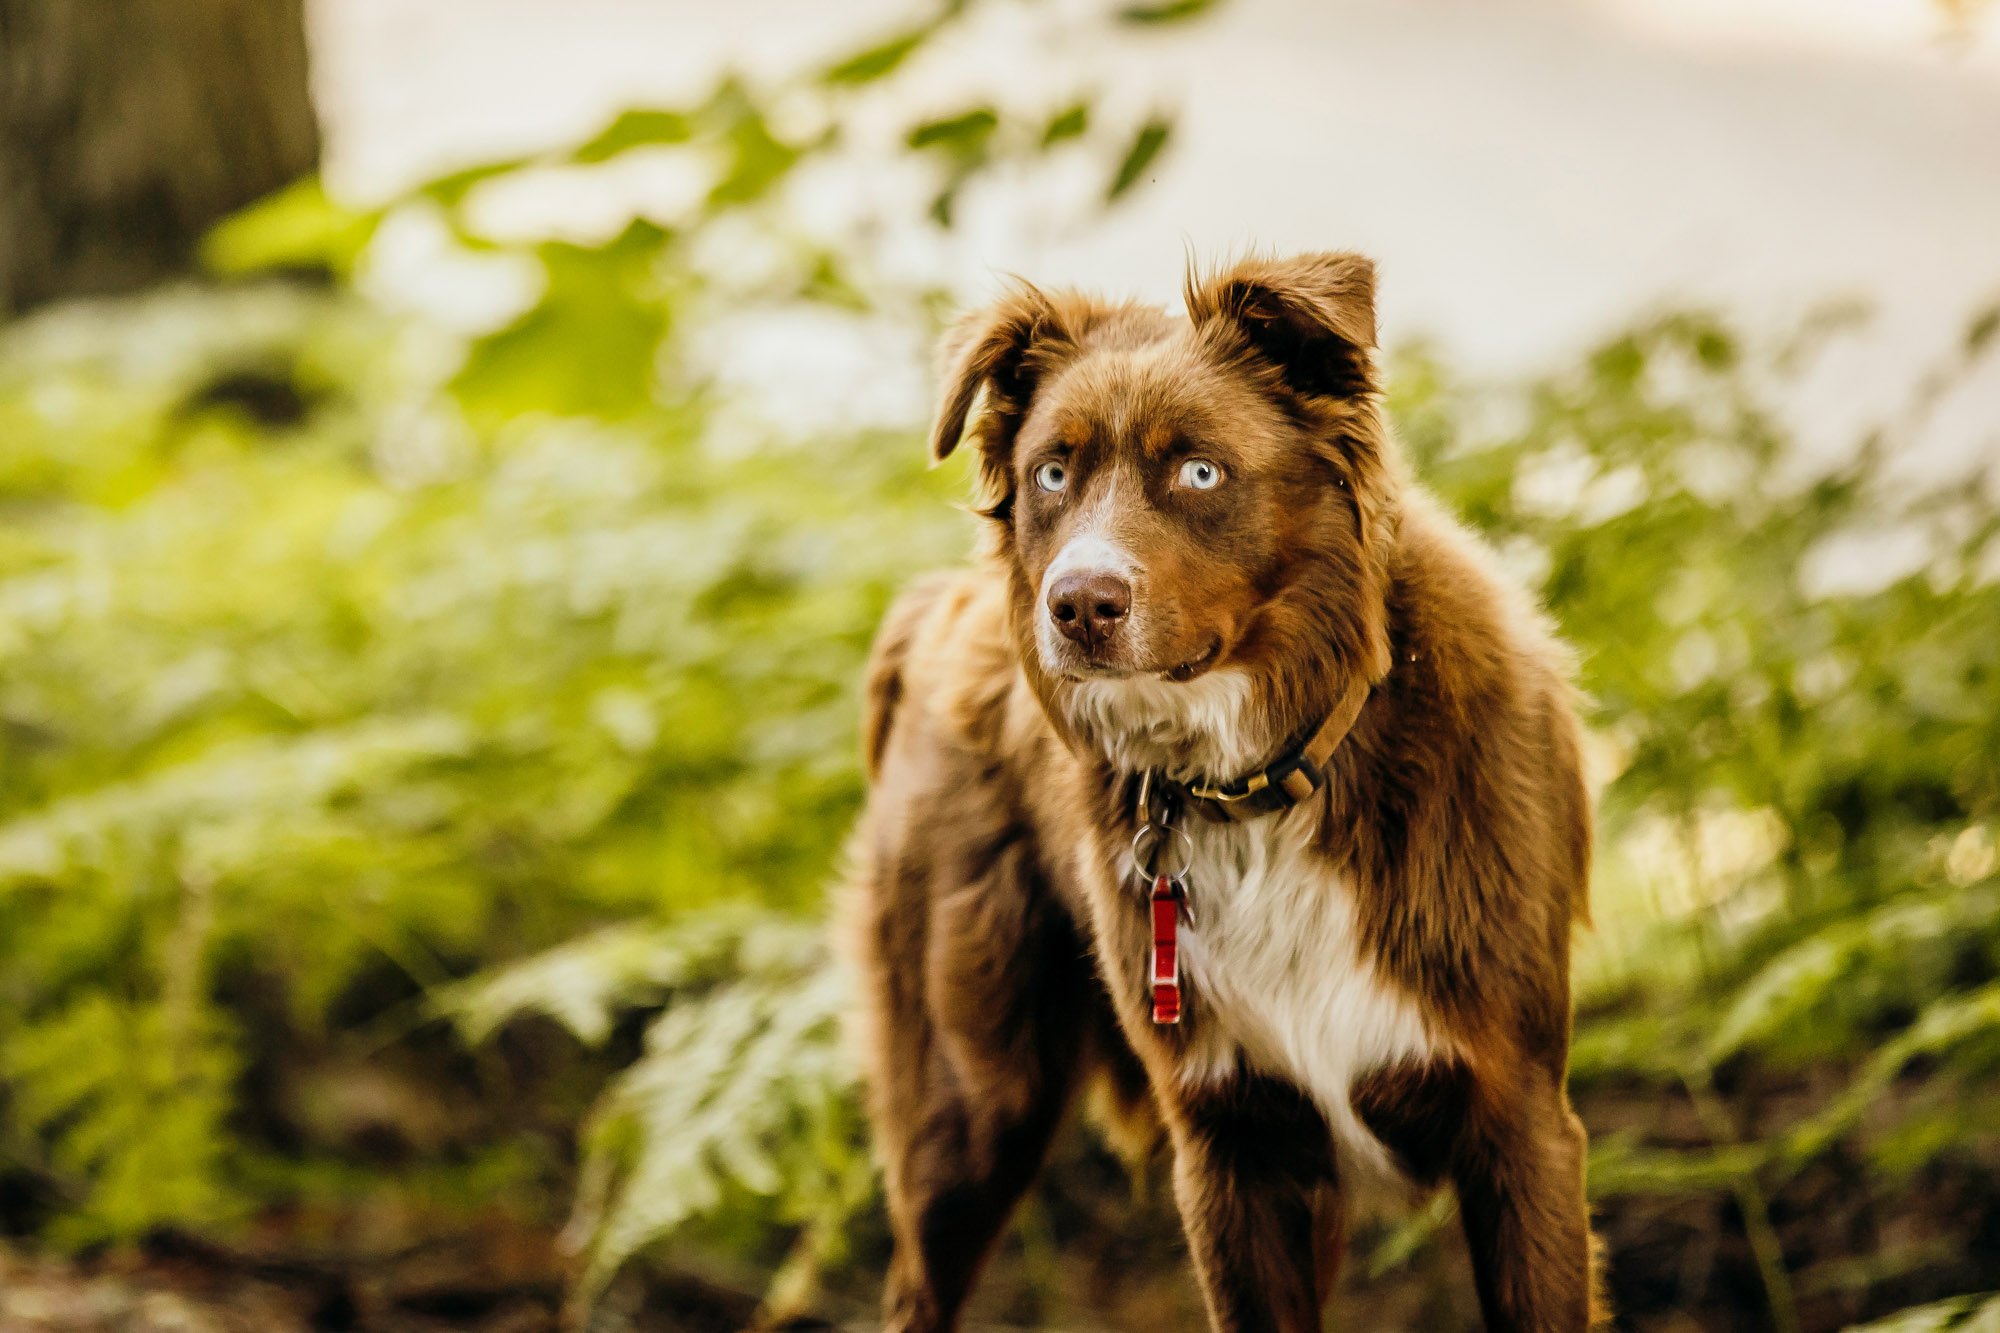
(1962, 1314)
(129, 1102)
(744, 1083)
(1789, 985)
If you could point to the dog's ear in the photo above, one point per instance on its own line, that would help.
(1003, 349)
(1312, 316)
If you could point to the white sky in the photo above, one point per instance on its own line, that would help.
(1529, 173)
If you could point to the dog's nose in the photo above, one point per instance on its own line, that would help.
(1089, 607)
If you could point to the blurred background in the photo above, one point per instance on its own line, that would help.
(453, 454)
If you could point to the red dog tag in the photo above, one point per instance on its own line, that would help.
(1166, 959)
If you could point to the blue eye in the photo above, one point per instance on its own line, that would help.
(1198, 474)
(1051, 476)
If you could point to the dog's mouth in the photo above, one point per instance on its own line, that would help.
(1194, 666)
(1179, 673)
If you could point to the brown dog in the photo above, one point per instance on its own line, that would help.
(1211, 604)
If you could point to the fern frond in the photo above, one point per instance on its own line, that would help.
(748, 1084)
(268, 781)
(1790, 984)
(1946, 1024)
(1960, 1314)
(581, 984)
(744, 1084)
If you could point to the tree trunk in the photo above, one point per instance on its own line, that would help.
(129, 127)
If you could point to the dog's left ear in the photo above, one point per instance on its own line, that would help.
(1312, 316)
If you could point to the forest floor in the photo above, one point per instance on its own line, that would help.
(1091, 1249)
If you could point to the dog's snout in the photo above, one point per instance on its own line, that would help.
(1088, 608)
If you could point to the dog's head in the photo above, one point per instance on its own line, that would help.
(1194, 512)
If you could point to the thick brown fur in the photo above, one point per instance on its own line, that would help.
(991, 911)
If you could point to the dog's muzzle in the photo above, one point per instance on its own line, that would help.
(1089, 609)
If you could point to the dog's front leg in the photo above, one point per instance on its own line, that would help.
(1252, 1159)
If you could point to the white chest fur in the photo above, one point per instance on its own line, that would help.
(1284, 985)
(1274, 956)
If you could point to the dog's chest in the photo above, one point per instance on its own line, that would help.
(1281, 975)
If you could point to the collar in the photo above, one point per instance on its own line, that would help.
(1292, 777)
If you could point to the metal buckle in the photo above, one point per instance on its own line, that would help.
(1256, 783)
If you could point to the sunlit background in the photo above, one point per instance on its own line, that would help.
(453, 454)
(1529, 174)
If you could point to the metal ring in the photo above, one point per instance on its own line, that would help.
(1183, 842)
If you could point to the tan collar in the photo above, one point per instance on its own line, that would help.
(1282, 784)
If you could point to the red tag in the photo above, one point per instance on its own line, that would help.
(1165, 968)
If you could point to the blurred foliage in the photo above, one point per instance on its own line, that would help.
(1794, 675)
(426, 745)
(345, 653)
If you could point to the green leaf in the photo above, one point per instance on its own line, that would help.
(299, 227)
(1620, 1166)
(964, 140)
(1174, 11)
(1068, 124)
(588, 346)
(124, 1102)
(636, 129)
(877, 61)
(1981, 330)
(828, 282)
(1146, 146)
(757, 159)
(451, 190)
(1791, 983)
(1412, 1234)
(1947, 1023)
(1960, 1314)
(583, 983)
(963, 135)
(745, 1084)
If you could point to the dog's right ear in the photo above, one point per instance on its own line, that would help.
(1004, 349)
